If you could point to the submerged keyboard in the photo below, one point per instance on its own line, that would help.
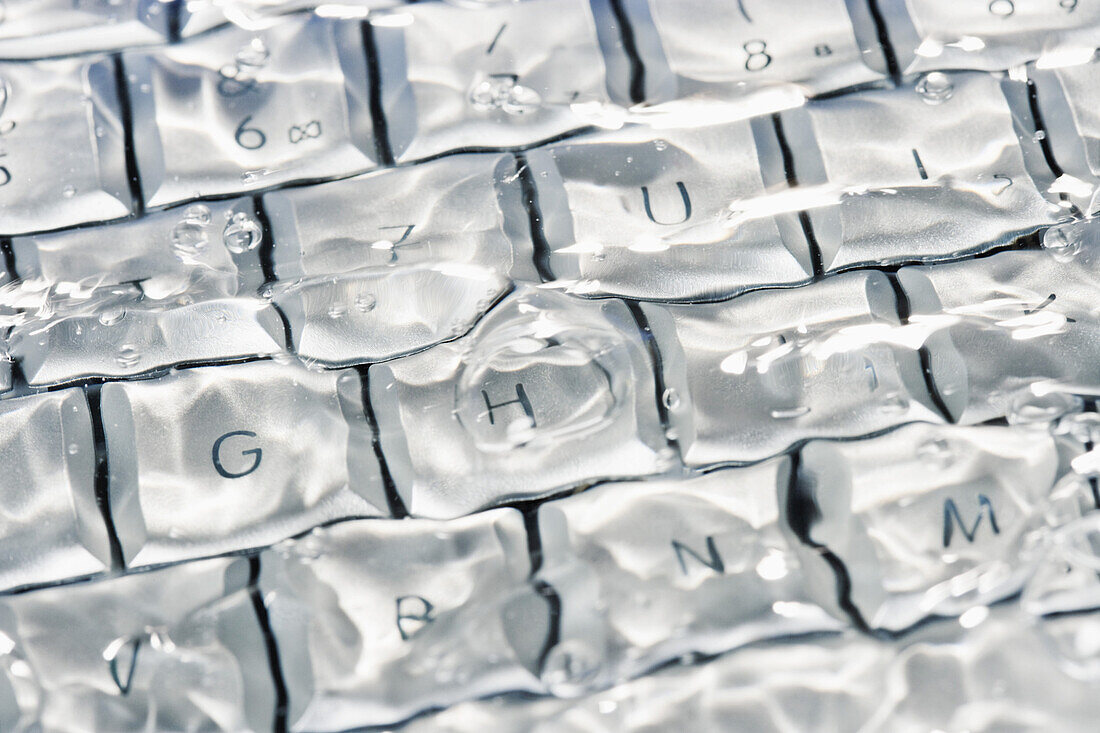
(549, 365)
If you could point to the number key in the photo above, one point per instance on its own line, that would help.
(238, 110)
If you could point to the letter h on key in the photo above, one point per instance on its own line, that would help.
(521, 400)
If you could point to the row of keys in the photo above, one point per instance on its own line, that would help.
(978, 340)
(375, 621)
(293, 101)
(999, 671)
(543, 374)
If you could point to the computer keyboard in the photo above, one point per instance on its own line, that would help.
(549, 366)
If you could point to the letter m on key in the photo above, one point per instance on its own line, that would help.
(951, 517)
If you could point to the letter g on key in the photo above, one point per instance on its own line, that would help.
(215, 455)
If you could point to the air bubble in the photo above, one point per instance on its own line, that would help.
(660, 144)
(189, 234)
(365, 302)
(937, 453)
(242, 233)
(127, 356)
(69, 191)
(936, 87)
(1063, 243)
(337, 310)
(789, 413)
(671, 399)
(111, 317)
(503, 92)
(570, 669)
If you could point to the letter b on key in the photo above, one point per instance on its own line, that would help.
(216, 455)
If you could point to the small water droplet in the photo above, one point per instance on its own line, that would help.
(671, 398)
(503, 92)
(197, 213)
(660, 144)
(242, 233)
(936, 452)
(69, 191)
(73, 449)
(127, 356)
(936, 87)
(337, 310)
(365, 302)
(254, 55)
(1002, 8)
(111, 317)
(1062, 242)
(895, 403)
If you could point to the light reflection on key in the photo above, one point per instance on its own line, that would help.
(219, 459)
(709, 571)
(545, 392)
(238, 110)
(760, 372)
(379, 620)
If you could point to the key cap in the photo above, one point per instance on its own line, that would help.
(732, 48)
(175, 649)
(927, 519)
(372, 315)
(204, 250)
(123, 335)
(665, 214)
(464, 209)
(546, 392)
(1065, 578)
(39, 28)
(379, 620)
(61, 145)
(1067, 97)
(219, 459)
(496, 75)
(922, 172)
(711, 571)
(51, 526)
(1007, 331)
(239, 110)
(927, 35)
(747, 378)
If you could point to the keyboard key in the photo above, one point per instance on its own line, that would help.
(378, 314)
(916, 176)
(414, 269)
(199, 16)
(61, 145)
(487, 75)
(464, 209)
(122, 335)
(750, 377)
(1067, 98)
(379, 620)
(238, 110)
(545, 393)
(940, 34)
(51, 526)
(175, 649)
(710, 572)
(666, 214)
(715, 47)
(39, 28)
(219, 459)
(831, 683)
(928, 519)
(187, 252)
(1009, 330)
(1065, 579)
